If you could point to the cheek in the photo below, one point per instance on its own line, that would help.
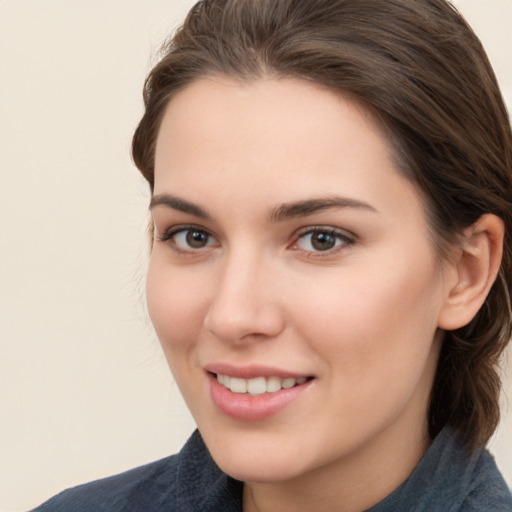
(375, 337)
(175, 305)
(372, 326)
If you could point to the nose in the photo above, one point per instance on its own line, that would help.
(246, 304)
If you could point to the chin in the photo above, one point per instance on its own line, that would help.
(267, 471)
(260, 462)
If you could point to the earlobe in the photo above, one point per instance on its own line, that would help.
(476, 266)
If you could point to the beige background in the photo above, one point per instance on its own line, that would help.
(84, 390)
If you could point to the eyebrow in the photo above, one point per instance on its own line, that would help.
(179, 204)
(310, 206)
(278, 214)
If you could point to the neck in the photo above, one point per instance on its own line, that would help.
(353, 484)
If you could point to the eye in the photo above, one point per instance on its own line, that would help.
(322, 240)
(188, 238)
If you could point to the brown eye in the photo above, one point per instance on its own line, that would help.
(196, 239)
(322, 240)
(189, 239)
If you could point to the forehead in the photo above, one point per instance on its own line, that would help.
(218, 115)
(273, 140)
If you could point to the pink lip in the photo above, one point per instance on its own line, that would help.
(251, 371)
(245, 407)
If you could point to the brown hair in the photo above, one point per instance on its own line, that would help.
(421, 69)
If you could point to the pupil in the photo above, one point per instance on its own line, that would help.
(196, 239)
(323, 241)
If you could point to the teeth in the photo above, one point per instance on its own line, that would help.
(238, 385)
(258, 385)
(273, 384)
(224, 380)
(288, 383)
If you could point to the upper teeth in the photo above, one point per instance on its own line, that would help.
(258, 385)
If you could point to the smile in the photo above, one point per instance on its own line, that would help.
(258, 385)
(258, 397)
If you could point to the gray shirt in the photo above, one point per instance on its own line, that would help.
(447, 479)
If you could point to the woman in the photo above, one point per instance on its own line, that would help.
(331, 259)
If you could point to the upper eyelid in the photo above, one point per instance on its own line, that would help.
(347, 241)
(168, 235)
(301, 231)
(169, 232)
(177, 228)
(331, 229)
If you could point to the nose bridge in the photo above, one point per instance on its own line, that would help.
(244, 303)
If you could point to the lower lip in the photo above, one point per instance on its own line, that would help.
(246, 407)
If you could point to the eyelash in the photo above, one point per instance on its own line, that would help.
(170, 234)
(341, 238)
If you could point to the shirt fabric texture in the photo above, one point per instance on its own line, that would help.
(446, 479)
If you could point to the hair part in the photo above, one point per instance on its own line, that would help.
(420, 69)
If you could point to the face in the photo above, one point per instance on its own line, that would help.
(292, 263)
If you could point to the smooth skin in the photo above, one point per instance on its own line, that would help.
(350, 293)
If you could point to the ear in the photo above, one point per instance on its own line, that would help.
(475, 266)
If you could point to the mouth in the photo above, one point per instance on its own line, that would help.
(259, 385)
(258, 397)
(255, 392)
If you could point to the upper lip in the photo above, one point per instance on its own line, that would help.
(252, 371)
